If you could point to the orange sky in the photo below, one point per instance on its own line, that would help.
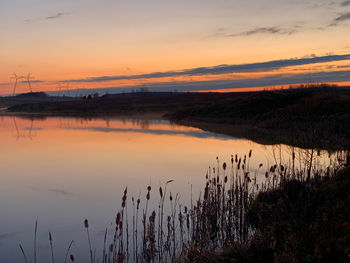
(69, 40)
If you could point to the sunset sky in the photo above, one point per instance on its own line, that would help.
(173, 44)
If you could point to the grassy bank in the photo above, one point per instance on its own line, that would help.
(305, 117)
(296, 222)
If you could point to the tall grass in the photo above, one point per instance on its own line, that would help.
(220, 217)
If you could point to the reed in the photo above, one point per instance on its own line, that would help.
(226, 216)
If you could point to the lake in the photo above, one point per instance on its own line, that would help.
(63, 170)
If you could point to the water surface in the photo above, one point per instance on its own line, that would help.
(63, 170)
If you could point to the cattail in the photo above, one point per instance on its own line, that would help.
(111, 247)
(86, 223)
(71, 257)
(117, 220)
(148, 196)
(224, 166)
(231, 159)
(260, 165)
(149, 188)
(171, 197)
(266, 174)
(250, 153)
(138, 203)
(225, 179)
(161, 192)
(50, 239)
(236, 158)
(206, 191)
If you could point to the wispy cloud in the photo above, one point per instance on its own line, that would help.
(56, 16)
(30, 20)
(343, 17)
(340, 19)
(51, 17)
(345, 3)
(222, 69)
(32, 81)
(277, 79)
(265, 31)
(273, 30)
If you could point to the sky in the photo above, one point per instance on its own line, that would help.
(172, 45)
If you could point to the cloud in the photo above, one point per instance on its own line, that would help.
(32, 81)
(274, 30)
(56, 16)
(29, 21)
(221, 69)
(345, 3)
(310, 56)
(343, 17)
(51, 17)
(340, 18)
(277, 79)
(265, 31)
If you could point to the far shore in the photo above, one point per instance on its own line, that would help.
(316, 117)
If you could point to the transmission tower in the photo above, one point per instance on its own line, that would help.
(16, 77)
(28, 78)
(66, 87)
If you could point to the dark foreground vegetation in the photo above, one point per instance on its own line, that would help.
(316, 116)
(291, 215)
(298, 221)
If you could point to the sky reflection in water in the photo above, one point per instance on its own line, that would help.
(63, 170)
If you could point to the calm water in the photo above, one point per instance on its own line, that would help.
(63, 170)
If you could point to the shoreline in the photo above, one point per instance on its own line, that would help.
(306, 118)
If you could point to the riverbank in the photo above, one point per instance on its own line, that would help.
(316, 117)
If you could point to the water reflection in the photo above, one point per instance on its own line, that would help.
(24, 127)
(64, 170)
(23, 132)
